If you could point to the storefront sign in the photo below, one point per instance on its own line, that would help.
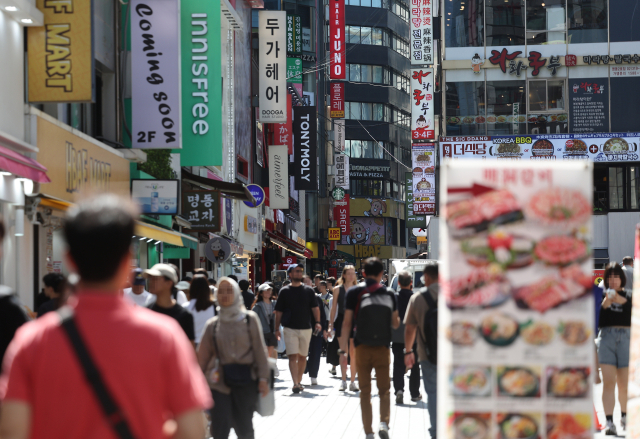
(297, 40)
(201, 84)
(376, 207)
(337, 100)
(337, 40)
(202, 210)
(61, 60)
(421, 32)
(340, 135)
(366, 251)
(294, 73)
(156, 197)
(283, 132)
(278, 177)
(342, 171)
(291, 32)
(258, 194)
(305, 167)
(306, 42)
(341, 215)
(518, 65)
(272, 66)
(625, 72)
(606, 147)
(423, 169)
(589, 104)
(516, 288)
(476, 63)
(606, 59)
(155, 75)
(369, 168)
(365, 231)
(338, 193)
(217, 249)
(250, 224)
(422, 116)
(334, 234)
(411, 219)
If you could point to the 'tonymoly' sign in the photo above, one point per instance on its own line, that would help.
(304, 147)
(278, 177)
(273, 66)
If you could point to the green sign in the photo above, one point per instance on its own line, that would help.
(297, 35)
(294, 70)
(412, 221)
(201, 84)
(290, 34)
(338, 193)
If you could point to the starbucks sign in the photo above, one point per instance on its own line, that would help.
(338, 193)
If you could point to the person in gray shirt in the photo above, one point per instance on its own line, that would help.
(627, 267)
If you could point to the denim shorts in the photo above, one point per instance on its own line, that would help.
(613, 346)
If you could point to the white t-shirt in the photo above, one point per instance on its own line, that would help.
(181, 298)
(143, 299)
(200, 318)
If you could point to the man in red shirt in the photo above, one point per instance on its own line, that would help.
(146, 362)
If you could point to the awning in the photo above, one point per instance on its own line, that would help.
(287, 244)
(22, 166)
(230, 190)
(169, 236)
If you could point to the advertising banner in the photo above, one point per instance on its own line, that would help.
(305, 166)
(423, 170)
(342, 170)
(278, 177)
(259, 140)
(341, 215)
(156, 197)
(217, 249)
(336, 40)
(588, 105)
(340, 135)
(412, 221)
(60, 55)
(370, 168)
(422, 115)
(607, 147)
(516, 309)
(272, 66)
(283, 132)
(202, 210)
(201, 84)
(337, 100)
(421, 32)
(369, 231)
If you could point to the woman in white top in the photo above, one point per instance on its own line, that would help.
(201, 304)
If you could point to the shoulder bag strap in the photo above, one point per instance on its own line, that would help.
(112, 412)
(426, 295)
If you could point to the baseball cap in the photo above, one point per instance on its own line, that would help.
(183, 285)
(162, 270)
(264, 286)
(294, 266)
(138, 277)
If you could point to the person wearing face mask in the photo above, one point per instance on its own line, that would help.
(232, 355)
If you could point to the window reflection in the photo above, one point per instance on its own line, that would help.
(505, 22)
(616, 188)
(501, 95)
(587, 21)
(546, 22)
(465, 103)
(464, 23)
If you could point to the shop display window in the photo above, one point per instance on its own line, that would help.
(506, 107)
(465, 106)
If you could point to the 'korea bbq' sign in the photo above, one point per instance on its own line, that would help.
(607, 147)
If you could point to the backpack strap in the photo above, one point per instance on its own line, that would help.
(362, 293)
(426, 295)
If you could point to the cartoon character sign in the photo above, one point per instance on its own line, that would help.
(217, 249)
(422, 125)
(358, 235)
(378, 208)
(366, 231)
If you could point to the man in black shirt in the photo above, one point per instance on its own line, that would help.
(162, 278)
(247, 296)
(295, 304)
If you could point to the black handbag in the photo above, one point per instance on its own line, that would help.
(235, 375)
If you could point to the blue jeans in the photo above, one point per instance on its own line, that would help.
(430, 378)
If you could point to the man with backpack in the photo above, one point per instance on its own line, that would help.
(372, 311)
(422, 318)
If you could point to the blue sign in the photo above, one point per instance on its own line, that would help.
(258, 195)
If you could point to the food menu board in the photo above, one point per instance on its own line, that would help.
(607, 147)
(423, 163)
(516, 312)
(633, 404)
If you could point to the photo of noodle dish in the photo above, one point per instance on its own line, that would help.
(517, 426)
(499, 329)
(574, 333)
(568, 426)
(518, 381)
(500, 247)
(471, 381)
(462, 333)
(471, 426)
(559, 207)
(473, 215)
(568, 382)
(483, 287)
(537, 333)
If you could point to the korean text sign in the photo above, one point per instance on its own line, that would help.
(342, 170)
(202, 210)
(273, 66)
(61, 61)
(337, 100)
(342, 216)
(283, 132)
(305, 165)
(278, 177)
(423, 163)
(421, 32)
(155, 74)
(422, 114)
(516, 308)
(337, 40)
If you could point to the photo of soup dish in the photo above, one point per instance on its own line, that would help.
(616, 145)
(499, 329)
(575, 146)
(462, 334)
(518, 382)
(453, 120)
(574, 333)
(471, 381)
(491, 119)
(537, 333)
(517, 426)
(568, 382)
(471, 426)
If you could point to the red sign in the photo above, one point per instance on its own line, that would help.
(283, 132)
(336, 32)
(341, 215)
(597, 276)
(337, 100)
(570, 60)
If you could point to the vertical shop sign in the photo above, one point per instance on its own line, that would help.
(423, 163)
(306, 39)
(342, 170)
(201, 84)
(294, 73)
(297, 36)
(521, 276)
(278, 177)
(412, 221)
(339, 134)
(341, 215)
(337, 100)
(421, 32)
(61, 61)
(337, 40)
(272, 66)
(305, 167)
(290, 34)
(155, 74)
(422, 115)
(202, 210)
(588, 105)
(283, 132)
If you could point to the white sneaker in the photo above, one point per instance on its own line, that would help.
(343, 386)
(611, 429)
(353, 387)
(384, 431)
(399, 397)
(314, 381)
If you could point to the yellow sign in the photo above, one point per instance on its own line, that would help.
(334, 234)
(76, 165)
(421, 239)
(60, 53)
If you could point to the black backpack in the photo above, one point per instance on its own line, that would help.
(430, 324)
(373, 321)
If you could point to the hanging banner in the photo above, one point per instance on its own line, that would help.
(294, 73)
(290, 34)
(516, 308)
(412, 221)
(155, 74)
(61, 59)
(423, 164)
(422, 115)
(421, 32)
(297, 39)
(342, 170)
(272, 66)
(278, 177)
(337, 100)
(341, 215)
(202, 210)
(305, 166)
(336, 40)
(339, 134)
(283, 132)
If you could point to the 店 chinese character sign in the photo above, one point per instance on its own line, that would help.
(422, 116)
(337, 100)
(334, 234)
(202, 210)
(342, 170)
(421, 32)
(337, 41)
(273, 66)
(423, 162)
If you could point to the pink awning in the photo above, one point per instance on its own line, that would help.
(22, 166)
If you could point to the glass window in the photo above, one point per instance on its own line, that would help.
(616, 188)
(464, 103)
(377, 74)
(367, 149)
(365, 73)
(347, 147)
(505, 22)
(365, 34)
(587, 21)
(378, 151)
(367, 111)
(356, 149)
(376, 3)
(464, 23)
(501, 97)
(354, 35)
(555, 95)
(356, 111)
(537, 95)
(376, 37)
(365, 3)
(546, 22)
(354, 72)
(634, 187)
(378, 112)
(546, 95)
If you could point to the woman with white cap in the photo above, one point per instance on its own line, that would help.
(233, 357)
(263, 306)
